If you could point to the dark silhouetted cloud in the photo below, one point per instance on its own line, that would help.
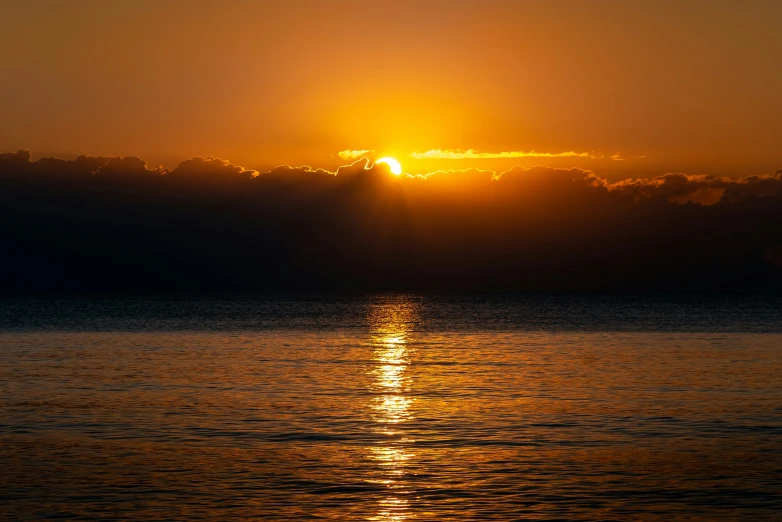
(211, 168)
(98, 224)
(129, 167)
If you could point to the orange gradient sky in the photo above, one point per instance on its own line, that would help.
(622, 88)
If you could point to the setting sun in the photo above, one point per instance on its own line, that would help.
(393, 164)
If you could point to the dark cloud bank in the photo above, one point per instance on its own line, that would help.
(104, 225)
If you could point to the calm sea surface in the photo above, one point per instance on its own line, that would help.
(391, 408)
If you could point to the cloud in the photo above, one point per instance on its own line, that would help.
(18, 164)
(212, 168)
(706, 190)
(20, 157)
(130, 167)
(353, 154)
(473, 154)
(98, 224)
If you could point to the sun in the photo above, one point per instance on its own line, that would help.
(393, 164)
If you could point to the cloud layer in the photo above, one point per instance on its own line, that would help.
(98, 224)
(351, 154)
(473, 154)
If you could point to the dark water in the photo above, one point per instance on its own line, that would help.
(391, 408)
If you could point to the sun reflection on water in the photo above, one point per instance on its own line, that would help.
(391, 323)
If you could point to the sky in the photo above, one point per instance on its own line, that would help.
(624, 89)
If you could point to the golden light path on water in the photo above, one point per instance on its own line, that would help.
(390, 326)
(421, 414)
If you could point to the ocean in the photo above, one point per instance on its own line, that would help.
(391, 407)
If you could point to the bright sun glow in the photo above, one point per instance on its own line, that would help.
(396, 168)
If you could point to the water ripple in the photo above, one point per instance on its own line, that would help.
(390, 421)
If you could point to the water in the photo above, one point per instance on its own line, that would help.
(391, 408)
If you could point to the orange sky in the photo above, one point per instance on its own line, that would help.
(670, 86)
